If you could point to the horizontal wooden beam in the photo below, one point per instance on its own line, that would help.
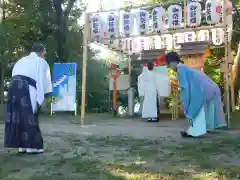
(140, 6)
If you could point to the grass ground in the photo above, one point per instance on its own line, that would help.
(70, 156)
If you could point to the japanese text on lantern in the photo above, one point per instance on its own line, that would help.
(126, 22)
(96, 25)
(193, 14)
(155, 19)
(143, 20)
(209, 17)
(111, 24)
(175, 15)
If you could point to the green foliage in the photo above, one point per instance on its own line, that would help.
(54, 23)
(212, 69)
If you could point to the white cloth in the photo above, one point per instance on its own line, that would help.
(141, 84)
(148, 86)
(198, 127)
(38, 69)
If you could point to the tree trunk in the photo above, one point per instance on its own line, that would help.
(62, 18)
(2, 87)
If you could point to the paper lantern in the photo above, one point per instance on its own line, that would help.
(194, 14)
(158, 19)
(104, 35)
(177, 38)
(167, 42)
(127, 45)
(128, 23)
(174, 16)
(112, 25)
(157, 42)
(203, 35)
(142, 21)
(136, 46)
(213, 11)
(228, 11)
(217, 36)
(189, 36)
(96, 25)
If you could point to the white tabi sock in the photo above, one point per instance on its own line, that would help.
(30, 150)
(21, 150)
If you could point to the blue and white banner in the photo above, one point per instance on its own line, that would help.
(64, 87)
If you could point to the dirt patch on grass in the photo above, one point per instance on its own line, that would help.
(126, 149)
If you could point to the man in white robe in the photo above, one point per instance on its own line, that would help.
(147, 89)
(30, 84)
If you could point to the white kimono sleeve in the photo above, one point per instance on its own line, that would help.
(140, 85)
(44, 84)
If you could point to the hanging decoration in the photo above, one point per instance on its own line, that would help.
(177, 38)
(213, 11)
(128, 23)
(152, 43)
(217, 36)
(158, 19)
(167, 41)
(229, 19)
(142, 21)
(189, 36)
(174, 16)
(112, 25)
(157, 42)
(194, 14)
(203, 35)
(96, 24)
(136, 46)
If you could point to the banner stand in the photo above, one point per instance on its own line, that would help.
(64, 88)
(75, 111)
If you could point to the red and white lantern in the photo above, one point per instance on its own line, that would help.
(213, 11)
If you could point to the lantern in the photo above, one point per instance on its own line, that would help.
(228, 12)
(167, 42)
(128, 23)
(203, 35)
(177, 38)
(158, 19)
(217, 36)
(96, 25)
(193, 14)
(157, 42)
(174, 16)
(112, 25)
(189, 36)
(213, 11)
(136, 47)
(142, 21)
(104, 33)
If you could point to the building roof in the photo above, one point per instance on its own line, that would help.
(146, 56)
(193, 48)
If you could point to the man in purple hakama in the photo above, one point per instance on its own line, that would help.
(30, 84)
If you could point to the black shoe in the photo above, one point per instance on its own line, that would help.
(33, 153)
(186, 135)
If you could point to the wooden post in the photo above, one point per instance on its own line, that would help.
(232, 90)
(115, 96)
(226, 59)
(84, 67)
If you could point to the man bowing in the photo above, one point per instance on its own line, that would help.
(30, 84)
